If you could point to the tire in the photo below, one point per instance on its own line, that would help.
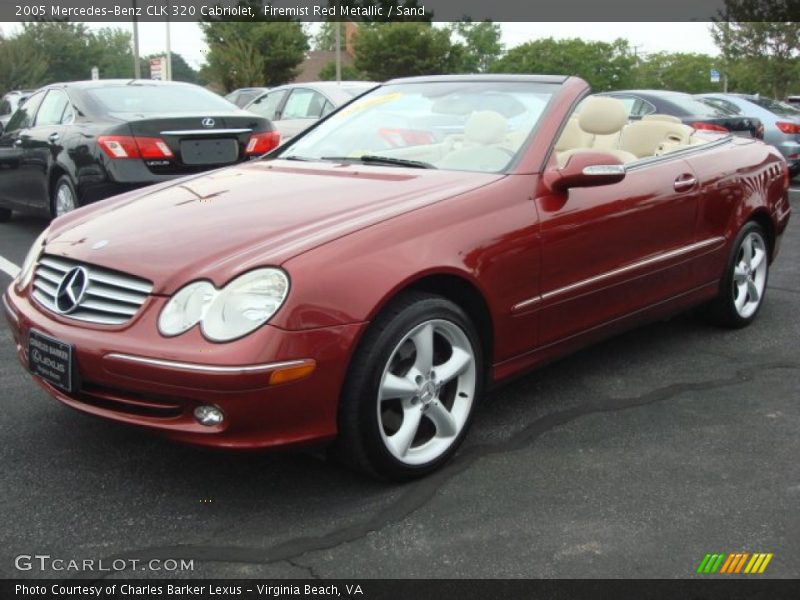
(5, 214)
(64, 198)
(396, 421)
(742, 288)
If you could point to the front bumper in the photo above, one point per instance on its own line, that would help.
(133, 375)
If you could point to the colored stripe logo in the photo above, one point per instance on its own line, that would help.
(735, 563)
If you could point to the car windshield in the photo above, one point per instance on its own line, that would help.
(153, 98)
(457, 125)
(782, 109)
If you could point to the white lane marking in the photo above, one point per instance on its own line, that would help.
(9, 267)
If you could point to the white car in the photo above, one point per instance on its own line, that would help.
(295, 106)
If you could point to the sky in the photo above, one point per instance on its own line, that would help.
(646, 38)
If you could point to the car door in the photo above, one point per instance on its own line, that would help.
(302, 108)
(612, 250)
(42, 144)
(14, 184)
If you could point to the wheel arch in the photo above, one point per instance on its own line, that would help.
(763, 218)
(461, 291)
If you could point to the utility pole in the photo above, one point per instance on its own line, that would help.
(338, 52)
(137, 68)
(168, 66)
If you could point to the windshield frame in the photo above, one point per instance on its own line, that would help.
(284, 151)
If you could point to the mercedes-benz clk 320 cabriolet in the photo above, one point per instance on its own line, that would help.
(364, 284)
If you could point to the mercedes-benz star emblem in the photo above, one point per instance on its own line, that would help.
(208, 122)
(71, 290)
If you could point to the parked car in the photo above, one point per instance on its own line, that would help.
(347, 290)
(10, 103)
(243, 96)
(74, 143)
(689, 110)
(294, 107)
(781, 121)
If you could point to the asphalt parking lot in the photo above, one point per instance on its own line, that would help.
(633, 458)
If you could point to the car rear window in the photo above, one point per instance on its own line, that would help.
(144, 98)
(696, 108)
(781, 109)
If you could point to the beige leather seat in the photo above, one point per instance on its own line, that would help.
(653, 137)
(660, 117)
(602, 118)
(482, 148)
(573, 137)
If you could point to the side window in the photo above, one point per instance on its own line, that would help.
(267, 105)
(328, 107)
(723, 104)
(23, 118)
(52, 108)
(5, 108)
(304, 104)
(641, 108)
(628, 101)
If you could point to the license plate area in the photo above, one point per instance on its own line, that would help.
(50, 359)
(209, 151)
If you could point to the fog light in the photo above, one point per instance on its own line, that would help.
(208, 415)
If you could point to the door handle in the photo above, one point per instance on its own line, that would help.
(53, 137)
(684, 182)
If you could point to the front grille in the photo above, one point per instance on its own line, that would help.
(111, 297)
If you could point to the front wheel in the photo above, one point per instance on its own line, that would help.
(745, 280)
(64, 199)
(412, 389)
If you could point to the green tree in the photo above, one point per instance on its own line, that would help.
(606, 66)
(677, 71)
(20, 67)
(481, 44)
(111, 53)
(386, 50)
(766, 34)
(258, 53)
(325, 39)
(349, 72)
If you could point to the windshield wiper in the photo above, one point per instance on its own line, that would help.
(382, 160)
(296, 157)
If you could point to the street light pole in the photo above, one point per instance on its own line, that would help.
(338, 52)
(168, 75)
(137, 68)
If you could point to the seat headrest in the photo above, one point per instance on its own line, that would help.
(643, 138)
(485, 127)
(601, 115)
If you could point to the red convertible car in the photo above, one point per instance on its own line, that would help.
(364, 284)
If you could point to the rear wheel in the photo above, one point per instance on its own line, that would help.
(745, 281)
(5, 214)
(64, 199)
(412, 389)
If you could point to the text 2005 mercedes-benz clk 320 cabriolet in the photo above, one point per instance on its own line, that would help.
(362, 285)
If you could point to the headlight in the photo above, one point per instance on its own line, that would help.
(186, 308)
(239, 308)
(26, 272)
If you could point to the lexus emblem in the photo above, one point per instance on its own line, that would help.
(71, 290)
(208, 122)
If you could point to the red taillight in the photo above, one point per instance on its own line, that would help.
(786, 127)
(709, 127)
(261, 143)
(398, 138)
(128, 146)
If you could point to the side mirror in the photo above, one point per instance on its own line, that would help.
(585, 169)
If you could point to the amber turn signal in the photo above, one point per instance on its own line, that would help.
(293, 373)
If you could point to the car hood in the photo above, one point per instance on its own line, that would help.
(225, 222)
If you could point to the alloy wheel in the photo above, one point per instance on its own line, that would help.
(749, 275)
(426, 392)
